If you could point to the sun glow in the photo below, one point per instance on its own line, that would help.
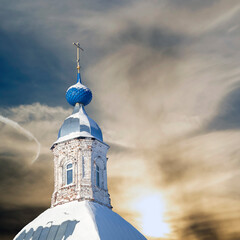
(152, 209)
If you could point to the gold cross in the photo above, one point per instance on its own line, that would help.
(77, 44)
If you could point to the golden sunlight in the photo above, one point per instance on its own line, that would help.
(151, 209)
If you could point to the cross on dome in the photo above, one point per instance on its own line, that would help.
(77, 44)
(78, 93)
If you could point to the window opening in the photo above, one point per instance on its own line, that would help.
(69, 173)
(97, 176)
(83, 167)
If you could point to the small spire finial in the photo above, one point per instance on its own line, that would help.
(78, 93)
(77, 44)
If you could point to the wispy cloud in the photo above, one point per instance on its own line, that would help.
(165, 82)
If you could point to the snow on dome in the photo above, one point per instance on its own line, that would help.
(78, 93)
(79, 220)
(79, 124)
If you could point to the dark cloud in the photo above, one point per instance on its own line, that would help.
(35, 64)
(35, 61)
(159, 39)
(174, 169)
(106, 5)
(228, 115)
(29, 70)
(202, 227)
(194, 4)
(20, 185)
(13, 219)
(117, 148)
(21, 181)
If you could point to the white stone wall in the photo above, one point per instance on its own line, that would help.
(84, 154)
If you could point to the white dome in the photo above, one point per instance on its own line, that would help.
(79, 124)
(79, 221)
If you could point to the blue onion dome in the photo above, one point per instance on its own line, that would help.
(78, 93)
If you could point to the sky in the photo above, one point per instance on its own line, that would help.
(165, 79)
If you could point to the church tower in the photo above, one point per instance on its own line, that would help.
(80, 205)
(80, 161)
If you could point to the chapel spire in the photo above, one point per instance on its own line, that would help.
(80, 154)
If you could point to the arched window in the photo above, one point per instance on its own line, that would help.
(83, 167)
(69, 175)
(97, 176)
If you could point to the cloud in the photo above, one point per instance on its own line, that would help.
(19, 177)
(201, 227)
(195, 5)
(165, 82)
(228, 115)
(11, 220)
(24, 131)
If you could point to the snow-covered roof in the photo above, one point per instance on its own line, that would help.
(79, 124)
(79, 221)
